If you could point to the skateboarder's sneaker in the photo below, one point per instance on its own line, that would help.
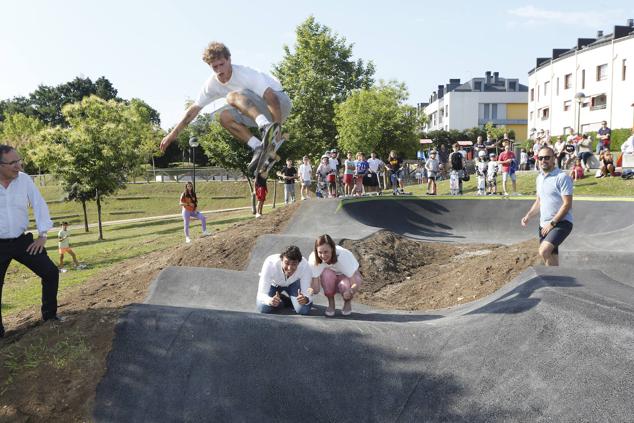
(257, 154)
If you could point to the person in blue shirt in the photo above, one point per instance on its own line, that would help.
(360, 173)
(553, 202)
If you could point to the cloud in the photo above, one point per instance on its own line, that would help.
(534, 16)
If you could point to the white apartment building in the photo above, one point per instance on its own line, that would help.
(460, 106)
(580, 87)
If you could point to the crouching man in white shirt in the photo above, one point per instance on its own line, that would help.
(284, 282)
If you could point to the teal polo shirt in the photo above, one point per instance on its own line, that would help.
(550, 189)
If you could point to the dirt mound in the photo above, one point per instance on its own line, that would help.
(400, 273)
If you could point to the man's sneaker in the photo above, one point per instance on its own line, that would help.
(187, 240)
(62, 270)
(205, 233)
(258, 215)
(269, 133)
(257, 153)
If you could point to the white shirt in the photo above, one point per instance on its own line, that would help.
(14, 208)
(305, 172)
(346, 263)
(375, 164)
(242, 78)
(492, 169)
(334, 163)
(272, 273)
(628, 146)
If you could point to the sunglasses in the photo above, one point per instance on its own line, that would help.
(544, 157)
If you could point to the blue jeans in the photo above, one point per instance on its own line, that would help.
(288, 300)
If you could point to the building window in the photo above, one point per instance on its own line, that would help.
(544, 113)
(598, 102)
(602, 72)
(546, 84)
(494, 111)
(486, 111)
(477, 86)
(568, 81)
(567, 105)
(583, 78)
(532, 94)
(557, 87)
(446, 111)
(512, 86)
(531, 116)
(623, 69)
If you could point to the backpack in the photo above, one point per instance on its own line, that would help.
(456, 161)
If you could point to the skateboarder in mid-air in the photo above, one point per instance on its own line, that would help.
(253, 99)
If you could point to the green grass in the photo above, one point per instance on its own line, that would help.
(22, 288)
(589, 186)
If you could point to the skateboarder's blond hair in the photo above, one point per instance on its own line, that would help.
(215, 51)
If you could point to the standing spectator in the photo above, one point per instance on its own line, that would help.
(628, 146)
(260, 195)
(189, 203)
(17, 194)
(479, 146)
(509, 165)
(523, 159)
(585, 151)
(457, 163)
(481, 171)
(558, 148)
(420, 155)
(360, 172)
(492, 175)
(536, 147)
(395, 166)
(335, 166)
(419, 172)
(432, 166)
(289, 175)
(349, 167)
(491, 144)
(375, 165)
(322, 173)
(443, 157)
(305, 174)
(604, 134)
(337, 270)
(553, 202)
(63, 245)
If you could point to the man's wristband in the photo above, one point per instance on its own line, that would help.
(553, 223)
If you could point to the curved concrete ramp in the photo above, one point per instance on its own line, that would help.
(552, 345)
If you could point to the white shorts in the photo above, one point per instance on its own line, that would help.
(506, 175)
(260, 104)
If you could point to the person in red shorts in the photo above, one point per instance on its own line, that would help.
(260, 195)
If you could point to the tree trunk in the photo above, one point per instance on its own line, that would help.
(83, 205)
(274, 192)
(99, 217)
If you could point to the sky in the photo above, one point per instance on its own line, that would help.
(152, 49)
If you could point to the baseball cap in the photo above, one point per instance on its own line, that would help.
(482, 154)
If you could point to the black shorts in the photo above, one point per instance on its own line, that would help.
(371, 180)
(557, 235)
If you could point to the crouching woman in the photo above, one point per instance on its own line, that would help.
(337, 270)
(285, 282)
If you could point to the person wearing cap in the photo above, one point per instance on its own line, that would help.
(305, 174)
(17, 194)
(432, 166)
(63, 245)
(321, 174)
(333, 161)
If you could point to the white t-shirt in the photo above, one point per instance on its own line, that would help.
(346, 263)
(492, 169)
(242, 77)
(305, 172)
(375, 164)
(334, 164)
(272, 273)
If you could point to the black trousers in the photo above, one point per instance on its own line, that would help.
(40, 264)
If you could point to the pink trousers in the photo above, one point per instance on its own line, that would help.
(332, 283)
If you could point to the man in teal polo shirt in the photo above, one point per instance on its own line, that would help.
(554, 203)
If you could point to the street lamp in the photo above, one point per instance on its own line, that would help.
(579, 97)
(193, 143)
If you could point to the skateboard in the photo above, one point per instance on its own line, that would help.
(269, 156)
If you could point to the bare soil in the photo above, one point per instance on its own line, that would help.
(49, 371)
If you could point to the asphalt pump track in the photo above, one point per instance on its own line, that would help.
(555, 344)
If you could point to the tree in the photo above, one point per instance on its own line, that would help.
(318, 74)
(105, 143)
(19, 131)
(377, 119)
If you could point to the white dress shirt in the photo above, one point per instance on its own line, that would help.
(272, 273)
(14, 208)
